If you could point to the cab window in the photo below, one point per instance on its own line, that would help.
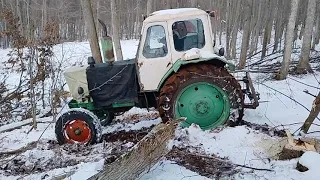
(155, 45)
(188, 34)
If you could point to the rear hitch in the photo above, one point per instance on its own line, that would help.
(250, 91)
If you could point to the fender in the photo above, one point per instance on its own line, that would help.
(179, 63)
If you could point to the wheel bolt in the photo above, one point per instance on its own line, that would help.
(77, 131)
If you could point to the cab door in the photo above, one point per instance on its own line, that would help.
(154, 55)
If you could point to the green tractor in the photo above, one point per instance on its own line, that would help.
(177, 70)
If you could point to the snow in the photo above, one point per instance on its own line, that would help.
(174, 11)
(310, 160)
(169, 170)
(19, 138)
(128, 127)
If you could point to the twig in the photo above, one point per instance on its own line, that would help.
(307, 92)
(303, 83)
(259, 169)
(313, 132)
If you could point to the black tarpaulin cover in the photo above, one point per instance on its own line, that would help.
(115, 83)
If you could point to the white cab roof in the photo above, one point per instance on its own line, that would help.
(168, 14)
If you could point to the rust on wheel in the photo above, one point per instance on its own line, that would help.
(199, 84)
(77, 131)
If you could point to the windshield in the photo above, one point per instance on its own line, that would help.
(188, 34)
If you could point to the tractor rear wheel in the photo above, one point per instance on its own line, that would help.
(205, 94)
(78, 126)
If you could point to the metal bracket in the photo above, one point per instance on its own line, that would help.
(250, 92)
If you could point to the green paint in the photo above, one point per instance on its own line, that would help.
(87, 105)
(176, 66)
(204, 104)
(126, 104)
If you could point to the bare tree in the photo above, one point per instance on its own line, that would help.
(194, 3)
(149, 6)
(246, 34)
(288, 41)
(115, 30)
(91, 29)
(304, 65)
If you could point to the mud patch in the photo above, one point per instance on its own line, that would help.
(265, 129)
(287, 154)
(127, 136)
(211, 167)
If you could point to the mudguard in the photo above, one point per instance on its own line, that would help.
(181, 62)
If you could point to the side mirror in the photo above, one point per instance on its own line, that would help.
(211, 13)
(221, 51)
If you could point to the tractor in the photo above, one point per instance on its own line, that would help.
(177, 69)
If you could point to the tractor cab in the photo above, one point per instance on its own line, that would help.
(169, 37)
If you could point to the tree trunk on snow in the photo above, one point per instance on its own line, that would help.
(313, 114)
(304, 65)
(115, 30)
(149, 7)
(143, 156)
(288, 42)
(246, 35)
(91, 30)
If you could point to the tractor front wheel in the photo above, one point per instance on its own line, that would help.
(205, 94)
(78, 126)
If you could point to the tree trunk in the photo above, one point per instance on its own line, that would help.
(246, 35)
(44, 15)
(149, 7)
(268, 28)
(233, 43)
(143, 156)
(91, 30)
(304, 65)
(316, 34)
(115, 31)
(313, 114)
(289, 40)
(194, 3)
(137, 24)
(32, 93)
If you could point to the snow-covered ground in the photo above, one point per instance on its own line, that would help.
(241, 145)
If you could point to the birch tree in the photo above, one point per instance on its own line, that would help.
(304, 65)
(288, 41)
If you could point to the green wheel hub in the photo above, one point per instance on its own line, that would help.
(204, 104)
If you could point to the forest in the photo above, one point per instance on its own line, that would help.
(45, 44)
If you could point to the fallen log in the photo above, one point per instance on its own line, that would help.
(146, 153)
